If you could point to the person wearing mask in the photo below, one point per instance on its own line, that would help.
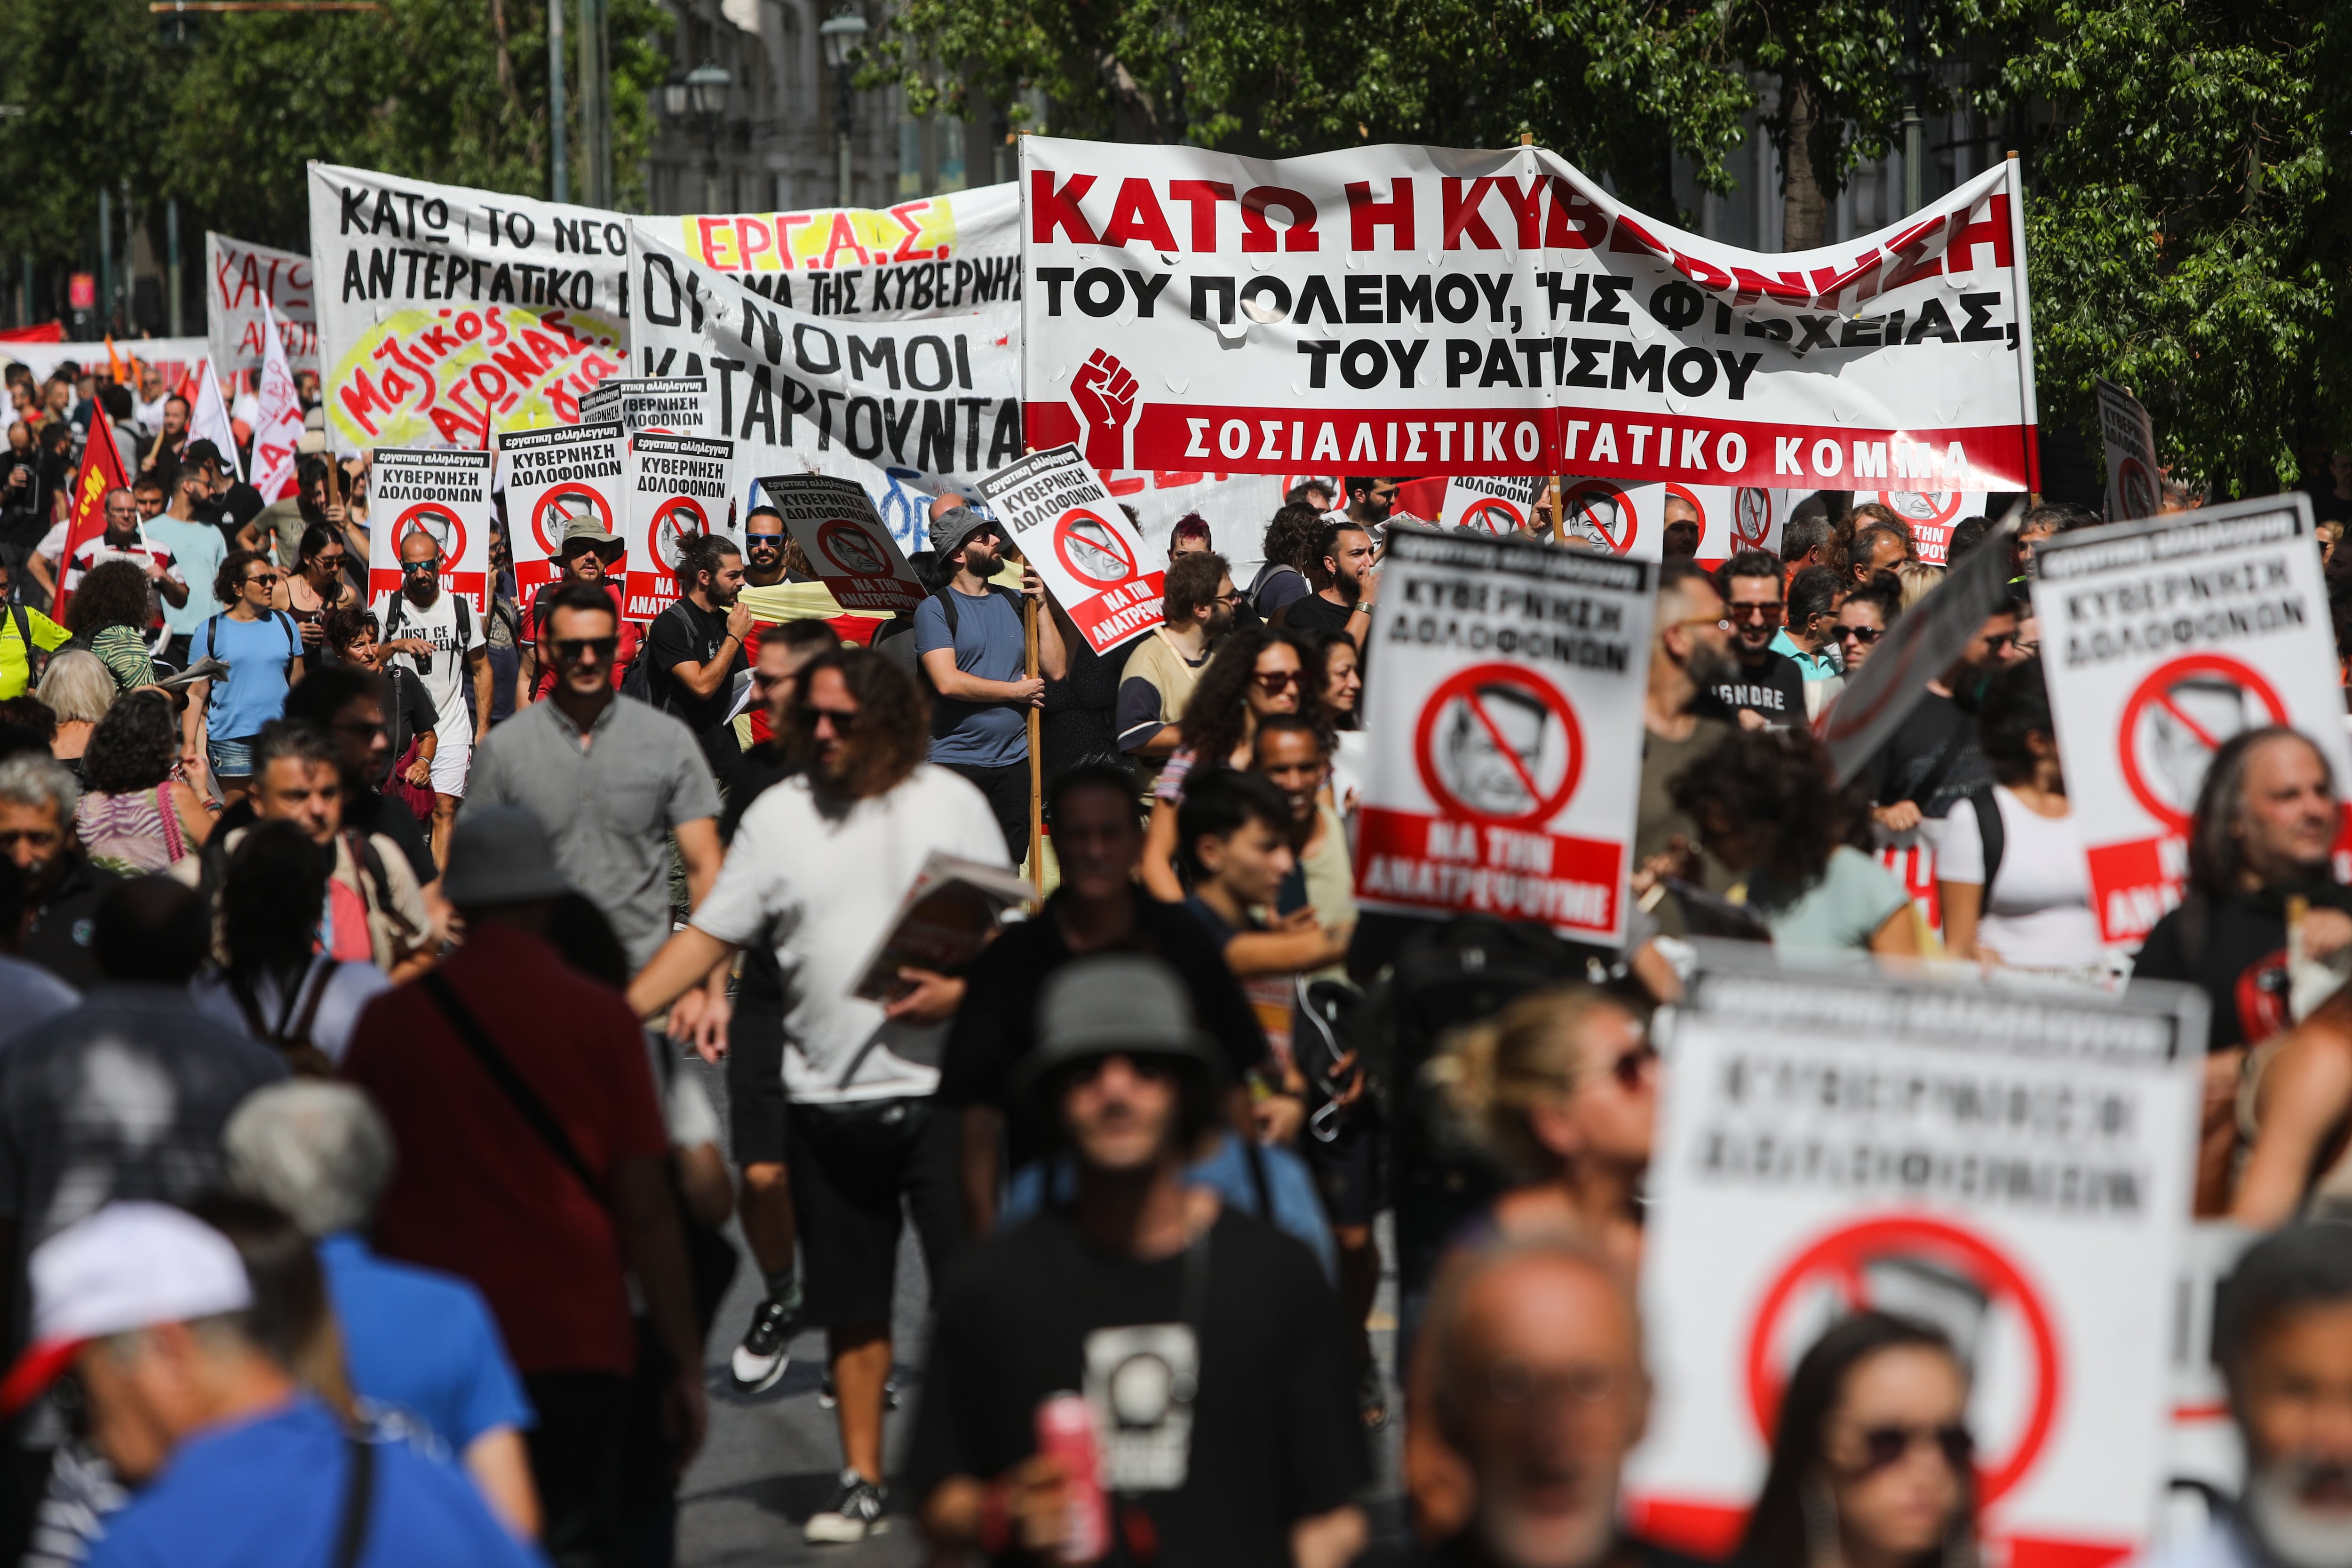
(1370, 502)
(109, 613)
(1872, 1457)
(1864, 618)
(1690, 653)
(1764, 808)
(820, 865)
(421, 1346)
(360, 709)
(588, 554)
(694, 649)
(1561, 1089)
(1809, 634)
(196, 1363)
(316, 586)
(537, 1169)
(166, 498)
(2260, 870)
(1130, 1084)
(274, 981)
(971, 643)
(62, 890)
(2011, 874)
(1763, 689)
(1347, 584)
(1161, 671)
(1290, 540)
(1511, 1323)
(1254, 673)
(263, 649)
(438, 635)
(134, 818)
(1096, 908)
(615, 781)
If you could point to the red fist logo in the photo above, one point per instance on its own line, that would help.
(1105, 393)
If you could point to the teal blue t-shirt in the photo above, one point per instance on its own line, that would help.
(260, 655)
(1838, 913)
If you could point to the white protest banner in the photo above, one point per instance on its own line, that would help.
(846, 541)
(678, 485)
(2134, 483)
(208, 420)
(248, 284)
(936, 399)
(1427, 311)
(933, 255)
(1507, 707)
(1072, 533)
(2015, 1167)
(2162, 639)
(554, 478)
(1931, 514)
(447, 312)
(176, 360)
(443, 492)
(1495, 506)
(1918, 647)
(276, 434)
(674, 406)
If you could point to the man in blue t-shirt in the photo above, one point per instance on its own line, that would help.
(974, 649)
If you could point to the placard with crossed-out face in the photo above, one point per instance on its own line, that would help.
(846, 541)
(442, 492)
(678, 486)
(556, 477)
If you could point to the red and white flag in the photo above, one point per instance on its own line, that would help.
(102, 470)
(275, 437)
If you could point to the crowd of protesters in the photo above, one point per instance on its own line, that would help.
(365, 1201)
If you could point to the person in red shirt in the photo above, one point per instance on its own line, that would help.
(533, 1164)
(590, 556)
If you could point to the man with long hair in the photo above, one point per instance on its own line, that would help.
(819, 867)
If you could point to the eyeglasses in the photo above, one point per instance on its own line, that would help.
(1766, 614)
(845, 720)
(1885, 1446)
(419, 568)
(1866, 636)
(332, 562)
(1511, 1382)
(1273, 680)
(569, 649)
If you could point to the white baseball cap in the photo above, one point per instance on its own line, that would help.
(129, 1266)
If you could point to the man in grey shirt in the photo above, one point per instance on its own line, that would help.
(611, 778)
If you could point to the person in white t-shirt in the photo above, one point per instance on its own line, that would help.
(819, 865)
(2036, 911)
(439, 636)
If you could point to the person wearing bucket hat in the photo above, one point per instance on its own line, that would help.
(185, 1374)
(969, 640)
(588, 552)
(1208, 1345)
(546, 1185)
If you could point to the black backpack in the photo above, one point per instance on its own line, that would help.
(639, 682)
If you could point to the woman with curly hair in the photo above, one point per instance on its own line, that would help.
(135, 817)
(1764, 808)
(263, 650)
(1290, 538)
(1255, 671)
(109, 613)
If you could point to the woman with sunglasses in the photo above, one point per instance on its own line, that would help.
(1864, 616)
(1560, 1090)
(317, 584)
(1872, 1464)
(263, 651)
(1255, 671)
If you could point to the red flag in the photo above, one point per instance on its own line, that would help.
(101, 470)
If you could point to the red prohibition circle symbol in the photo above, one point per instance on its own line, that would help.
(1751, 518)
(561, 505)
(1498, 744)
(1931, 507)
(2135, 489)
(847, 546)
(2177, 718)
(1496, 516)
(1839, 1261)
(1689, 497)
(1603, 512)
(1092, 549)
(444, 527)
(676, 521)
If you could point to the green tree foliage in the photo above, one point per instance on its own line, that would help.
(2187, 238)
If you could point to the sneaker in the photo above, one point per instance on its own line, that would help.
(858, 1509)
(759, 1363)
(825, 1396)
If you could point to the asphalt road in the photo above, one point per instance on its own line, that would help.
(771, 1460)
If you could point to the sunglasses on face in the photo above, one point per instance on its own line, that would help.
(1768, 614)
(845, 720)
(330, 562)
(569, 649)
(419, 568)
(1998, 640)
(1866, 636)
(1273, 680)
(262, 580)
(1886, 1445)
(1630, 1066)
(773, 540)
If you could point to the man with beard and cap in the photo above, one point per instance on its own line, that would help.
(589, 555)
(819, 869)
(1196, 608)
(2283, 1334)
(969, 640)
(1690, 651)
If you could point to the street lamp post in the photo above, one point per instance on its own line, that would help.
(842, 32)
(702, 98)
(1915, 93)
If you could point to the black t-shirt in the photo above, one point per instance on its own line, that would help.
(412, 712)
(686, 632)
(59, 938)
(1317, 613)
(997, 1023)
(1775, 689)
(1932, 758)
(2239, 959)
(763, 765)
(235, 506)
(1275, 1436)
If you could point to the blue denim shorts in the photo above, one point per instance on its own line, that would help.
(230, 759)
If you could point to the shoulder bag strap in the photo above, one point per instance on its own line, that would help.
(358, 1502)
(524, 1099)
(304, 1016)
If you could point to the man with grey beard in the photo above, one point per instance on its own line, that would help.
(1690, 652)
(2284, 1337)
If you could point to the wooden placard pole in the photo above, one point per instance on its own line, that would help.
(1037, 756)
